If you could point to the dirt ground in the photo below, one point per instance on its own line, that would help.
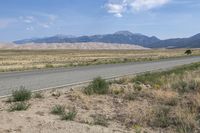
(38, 117)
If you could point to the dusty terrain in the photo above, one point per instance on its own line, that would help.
(39, 119)
(18, 60)
(165, 102)
(78, 46)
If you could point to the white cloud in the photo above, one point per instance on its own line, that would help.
(119, 7)
(30, 28)
(115, 9)
(139, 5)
(42, 20)
(27, 19)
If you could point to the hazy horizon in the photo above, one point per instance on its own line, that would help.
(21, 19)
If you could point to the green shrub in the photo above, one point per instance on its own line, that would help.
(21, 95)
(19, 106)
(97, 86)
(137, 87)
(69, 116)
(58, 110)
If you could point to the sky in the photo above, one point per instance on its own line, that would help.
(21, 19)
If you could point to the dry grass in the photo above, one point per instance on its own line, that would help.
(128, 106)
(15, 60)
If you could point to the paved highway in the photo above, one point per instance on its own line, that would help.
(50, 78)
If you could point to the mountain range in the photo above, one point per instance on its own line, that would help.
(121, 37)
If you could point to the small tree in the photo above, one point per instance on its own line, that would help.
(188, 52)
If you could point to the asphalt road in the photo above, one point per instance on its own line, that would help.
(43, 79)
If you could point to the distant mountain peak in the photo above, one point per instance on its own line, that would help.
(197, 36)
(125, 32)
(64, 36)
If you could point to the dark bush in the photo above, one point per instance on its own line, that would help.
(58, 110)
(21, 94)
(97, 86)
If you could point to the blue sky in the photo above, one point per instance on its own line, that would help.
(21, 19)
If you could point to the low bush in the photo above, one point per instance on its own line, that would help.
(137, 87)
(58, 110)
(21, 94)
(116, 90)
(69, 116)
(97, 86)
(19, 106)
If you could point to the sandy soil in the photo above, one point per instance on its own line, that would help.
(82, 46)
(38, 119)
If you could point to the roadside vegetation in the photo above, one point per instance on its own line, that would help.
(21, 94)
(162, 101)
(173, 97)
(18, 106)
(19, 99)
(97, 86)
(60, 111)
(19, 60)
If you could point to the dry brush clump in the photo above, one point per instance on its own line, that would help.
(19, 99)
(21, 94)
(58, 110)
(64, 115)
(97, 86)
(18, 106)
(70, 115)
